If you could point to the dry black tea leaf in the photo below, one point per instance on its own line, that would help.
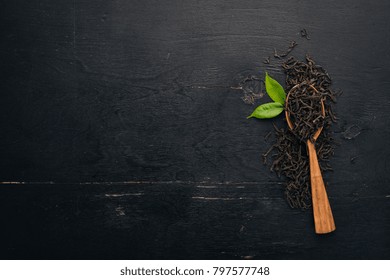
(288, 153)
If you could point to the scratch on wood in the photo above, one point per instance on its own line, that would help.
(207, 86)
(207, 187)
(199, 183)
(120, 211)
(352, 132)
(123, 194)
(26, 183)
(218, 198)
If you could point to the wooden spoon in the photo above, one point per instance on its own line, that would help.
(323, 217)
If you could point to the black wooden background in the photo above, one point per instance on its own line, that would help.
(123, 133)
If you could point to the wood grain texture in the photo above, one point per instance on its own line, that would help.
(145, 92)
(185, 221)
(322, 212)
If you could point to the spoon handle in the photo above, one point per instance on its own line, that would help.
(323, 217)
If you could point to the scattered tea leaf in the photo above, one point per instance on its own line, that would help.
(267, 111)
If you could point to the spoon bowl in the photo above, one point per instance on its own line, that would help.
(288, 119)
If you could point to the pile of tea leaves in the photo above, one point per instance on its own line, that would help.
(304, 108)
(288, 155)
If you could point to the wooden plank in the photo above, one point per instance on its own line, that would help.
(120, 91)
(183, 221)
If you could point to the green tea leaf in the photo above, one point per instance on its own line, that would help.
(274, 89)
(267, 111)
